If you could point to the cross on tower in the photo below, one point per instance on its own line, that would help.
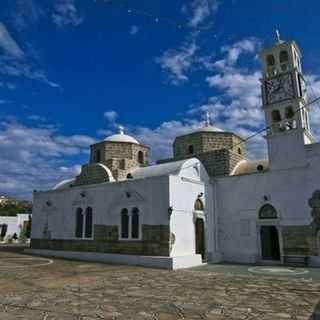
(278, 36)
(208, 120)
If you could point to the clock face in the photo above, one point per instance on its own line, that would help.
(279, 88)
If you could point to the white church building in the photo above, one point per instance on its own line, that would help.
(207, 203)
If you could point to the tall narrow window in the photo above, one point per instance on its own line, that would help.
(98, 155)
(140, 157)
(276, 116)
(79, 223)
(289, 112)
(124, 224)
(88, 230)
(271, 60)
(284, 57)
(191, 150)
(135, 223)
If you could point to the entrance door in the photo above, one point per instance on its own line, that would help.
(270, 243)
(200, 239)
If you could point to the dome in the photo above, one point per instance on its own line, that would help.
(121, 137)
(209, 128)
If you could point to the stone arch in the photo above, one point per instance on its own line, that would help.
(268, 212)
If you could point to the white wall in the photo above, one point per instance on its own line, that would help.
(183, 195)
(150, 195)
(240, 198)
(14, 223)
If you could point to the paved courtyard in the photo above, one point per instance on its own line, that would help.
(33, 288)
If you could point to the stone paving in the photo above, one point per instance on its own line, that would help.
(32, 288)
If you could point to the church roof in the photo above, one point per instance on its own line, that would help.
(121, 137)
(248, 167)
(191, 168)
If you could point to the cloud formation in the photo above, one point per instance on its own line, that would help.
(37, 158)
(199, 11)
(8, 45)
(14, 62)
(177, 62)
(66, 13)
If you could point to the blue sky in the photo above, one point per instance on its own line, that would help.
(71, 71)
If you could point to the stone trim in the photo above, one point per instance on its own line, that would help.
(155, 242)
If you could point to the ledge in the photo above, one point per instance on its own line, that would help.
(170, 263)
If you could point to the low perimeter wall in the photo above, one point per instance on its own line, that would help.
(171, 263)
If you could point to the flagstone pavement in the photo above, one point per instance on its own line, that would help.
(34, 288)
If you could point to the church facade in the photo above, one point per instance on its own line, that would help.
(207, 203)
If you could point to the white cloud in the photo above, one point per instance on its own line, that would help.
(26, 12)
(8, 44)
(200, 10)
(66, 13)
(134, 30)
(14, 62)
(111, 115)
(176, 62)
(36, 158)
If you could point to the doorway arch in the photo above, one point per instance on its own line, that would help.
(269, 235)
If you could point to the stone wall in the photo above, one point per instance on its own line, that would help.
(155, 242)
(120, 157)
(299, 240)
(217, 162)
(208, 141)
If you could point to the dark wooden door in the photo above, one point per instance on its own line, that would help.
(270, 243)
(200, 238)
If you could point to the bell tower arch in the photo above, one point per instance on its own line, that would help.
(285, 104)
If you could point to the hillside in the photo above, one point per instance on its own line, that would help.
(11, 207)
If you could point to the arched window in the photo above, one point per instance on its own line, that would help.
(271, 60)
(289, 112)
(198, 205)
(239, 151)
(268, 212)
(284, 57)
(124, 224)
(135, 223)
(79, 223)
(140, 157)
(191, 150)
(276, 116)
(98, 155)
(88, 229)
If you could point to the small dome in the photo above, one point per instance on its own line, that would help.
(209, 128)
(121, 137)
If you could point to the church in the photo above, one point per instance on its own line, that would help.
(208, 203)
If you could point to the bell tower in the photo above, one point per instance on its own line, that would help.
(285, 105)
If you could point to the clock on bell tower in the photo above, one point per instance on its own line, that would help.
(285, 104)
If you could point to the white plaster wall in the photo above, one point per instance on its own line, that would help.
(239, 199)
(183, 194)
(150, 195)
(14, 223)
